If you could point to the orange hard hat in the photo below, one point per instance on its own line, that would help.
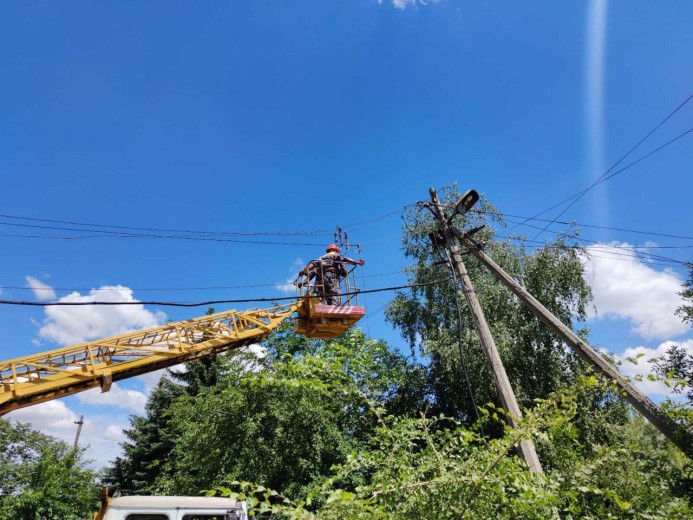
(332, 247)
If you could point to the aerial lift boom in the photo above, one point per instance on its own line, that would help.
(56, 373)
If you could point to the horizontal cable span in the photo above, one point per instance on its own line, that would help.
(210, 302)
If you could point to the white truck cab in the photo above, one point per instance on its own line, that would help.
(171, 508)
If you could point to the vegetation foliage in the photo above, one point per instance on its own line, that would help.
(350, 428)
(42, 478)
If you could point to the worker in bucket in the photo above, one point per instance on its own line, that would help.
(328, 271)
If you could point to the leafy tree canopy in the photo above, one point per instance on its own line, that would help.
(537, 363)
(686, 310)
(41, 477)
(288, 423)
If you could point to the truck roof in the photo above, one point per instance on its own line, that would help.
(175, 502)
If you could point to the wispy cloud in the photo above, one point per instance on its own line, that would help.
(287, 286)
(42, 291)
(403, 4)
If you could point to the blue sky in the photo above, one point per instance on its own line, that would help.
(305, 115)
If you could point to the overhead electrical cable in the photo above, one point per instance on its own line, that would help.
(210, 302)
(608, 249)
(168, 230)
(152, 236)
(201, 288)
(627, 258)
(358, 225)
(635, 251)
(582, 224)
(455, 282)
(604, 177)
(108, 229)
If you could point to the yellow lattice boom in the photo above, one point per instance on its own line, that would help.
(56, 373)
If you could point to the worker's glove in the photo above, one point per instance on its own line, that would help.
(361, 262)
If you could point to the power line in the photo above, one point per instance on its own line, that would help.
(671, 141)
(581, 239)
(454, 280)
(358, 225)
(581, 224)
(631, 253)
(149, 236)
(210, 302)
(633, 249)
(168, 230)
(603, 177)
(143, 289)
(627, 258)
(108, 230)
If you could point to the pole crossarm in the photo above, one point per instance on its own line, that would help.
(56, 373)
(676, 433)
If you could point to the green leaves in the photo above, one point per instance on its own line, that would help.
(41, 477)
(536, 361)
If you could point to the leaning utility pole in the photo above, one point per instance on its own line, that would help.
(79, 430)
(507, 395)
(676, 433)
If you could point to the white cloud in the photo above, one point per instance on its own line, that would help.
(629, 288)
(403, 4)
(287, 286)
(100, 434)
(644, 367)
(114, 433)
(75, 324)
(52, 417)
(258, 350)
(42, 291)
(116, 396)
(151, 379)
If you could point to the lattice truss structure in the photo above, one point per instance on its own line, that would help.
(60, 372)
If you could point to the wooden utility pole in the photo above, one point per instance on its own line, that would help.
(488, 345)
(79, 430)
(667, 426)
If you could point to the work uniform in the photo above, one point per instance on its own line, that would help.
(328, 270)
(332, 270)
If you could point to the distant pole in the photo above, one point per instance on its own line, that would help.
(488, 344)
(79, 430)
(667, 426)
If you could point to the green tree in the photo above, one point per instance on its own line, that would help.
(435, 467)
(149, 438)
(148, 444)
(286, 425)
(202, 373)
(675, 367)
(41, 477)
(537, 363)
(686, 310)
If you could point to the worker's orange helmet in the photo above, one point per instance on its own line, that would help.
(332, 247)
